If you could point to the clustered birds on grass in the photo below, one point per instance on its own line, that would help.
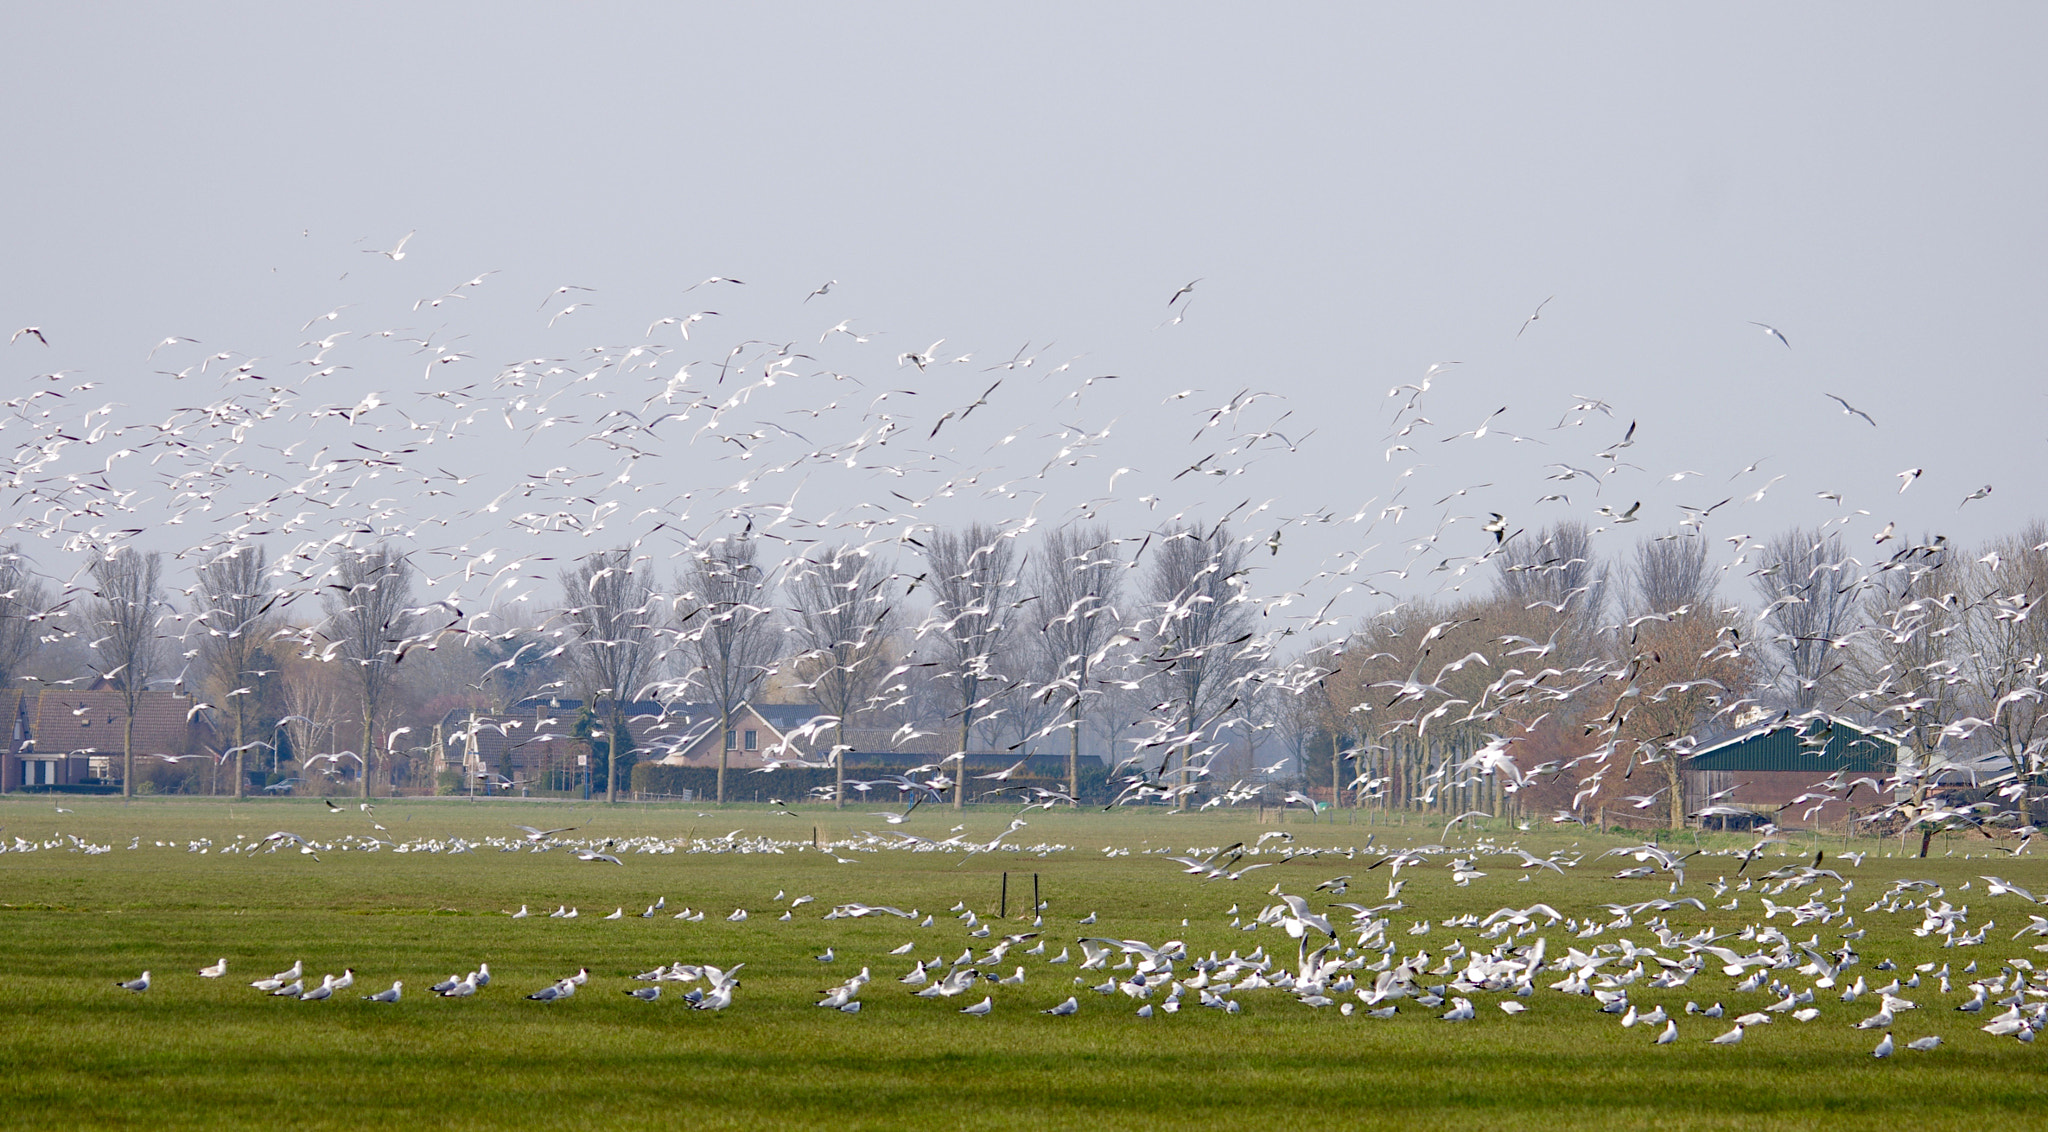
(1633, 960)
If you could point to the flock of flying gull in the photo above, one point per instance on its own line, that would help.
(1632, 960)
(335, 448)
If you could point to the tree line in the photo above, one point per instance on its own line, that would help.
(1568, 681)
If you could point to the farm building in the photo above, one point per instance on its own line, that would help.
(1774, 770)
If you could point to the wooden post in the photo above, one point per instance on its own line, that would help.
(1036, 904)
(1003, 908)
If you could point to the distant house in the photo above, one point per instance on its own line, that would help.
(534, 742)
(62, 737)
(1771, 766)
(688, 735)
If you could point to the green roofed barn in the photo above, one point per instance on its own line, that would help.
(1778, 771)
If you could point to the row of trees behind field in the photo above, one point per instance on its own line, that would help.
(1568, 680)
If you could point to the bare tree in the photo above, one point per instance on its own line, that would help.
(845, 615)
(22, 599)
(367, 621)
(1806, 579)
(230, 632)
(1910, 667)
(519, 657)
(1669, 573)
(1077, 582)
(313, 694)
(610, 606)
(727, 626)
(1200, 630)
(1556, 573)
(2007, 663)
(1674, 649)
(969, 572)
(127, 591)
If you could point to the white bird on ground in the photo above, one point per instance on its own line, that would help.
(1730, 1038)
(553, 992)
(392, 995)
(1669, 1035)
(136, 985)
(1922, 1045)
(717, 999)
(215, 971)
(1071, 1006)
(1884, 1048)
(321, 993)
(645, 994)
(980, 1009)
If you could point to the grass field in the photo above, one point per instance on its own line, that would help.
(191, 1052)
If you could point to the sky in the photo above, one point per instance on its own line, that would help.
(1360, 193)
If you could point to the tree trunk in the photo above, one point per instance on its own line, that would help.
(839, 764)
(1926, 835)
(241, 748)
(369, 759)
(724, 729)
(2022, 774)
(128, 754)
(960, 772)
(1074, 751)
(1674, 781)
(1336, 773)
(1186, 771)
(611, 765)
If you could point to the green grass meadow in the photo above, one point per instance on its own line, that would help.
(76, 1052)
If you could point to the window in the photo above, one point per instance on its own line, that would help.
(753, 740)
(732, 741)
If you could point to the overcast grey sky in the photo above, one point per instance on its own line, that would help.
(1361, 191)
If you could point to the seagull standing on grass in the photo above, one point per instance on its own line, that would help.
(136, 985)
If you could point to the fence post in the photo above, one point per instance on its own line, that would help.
(1003, 908)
